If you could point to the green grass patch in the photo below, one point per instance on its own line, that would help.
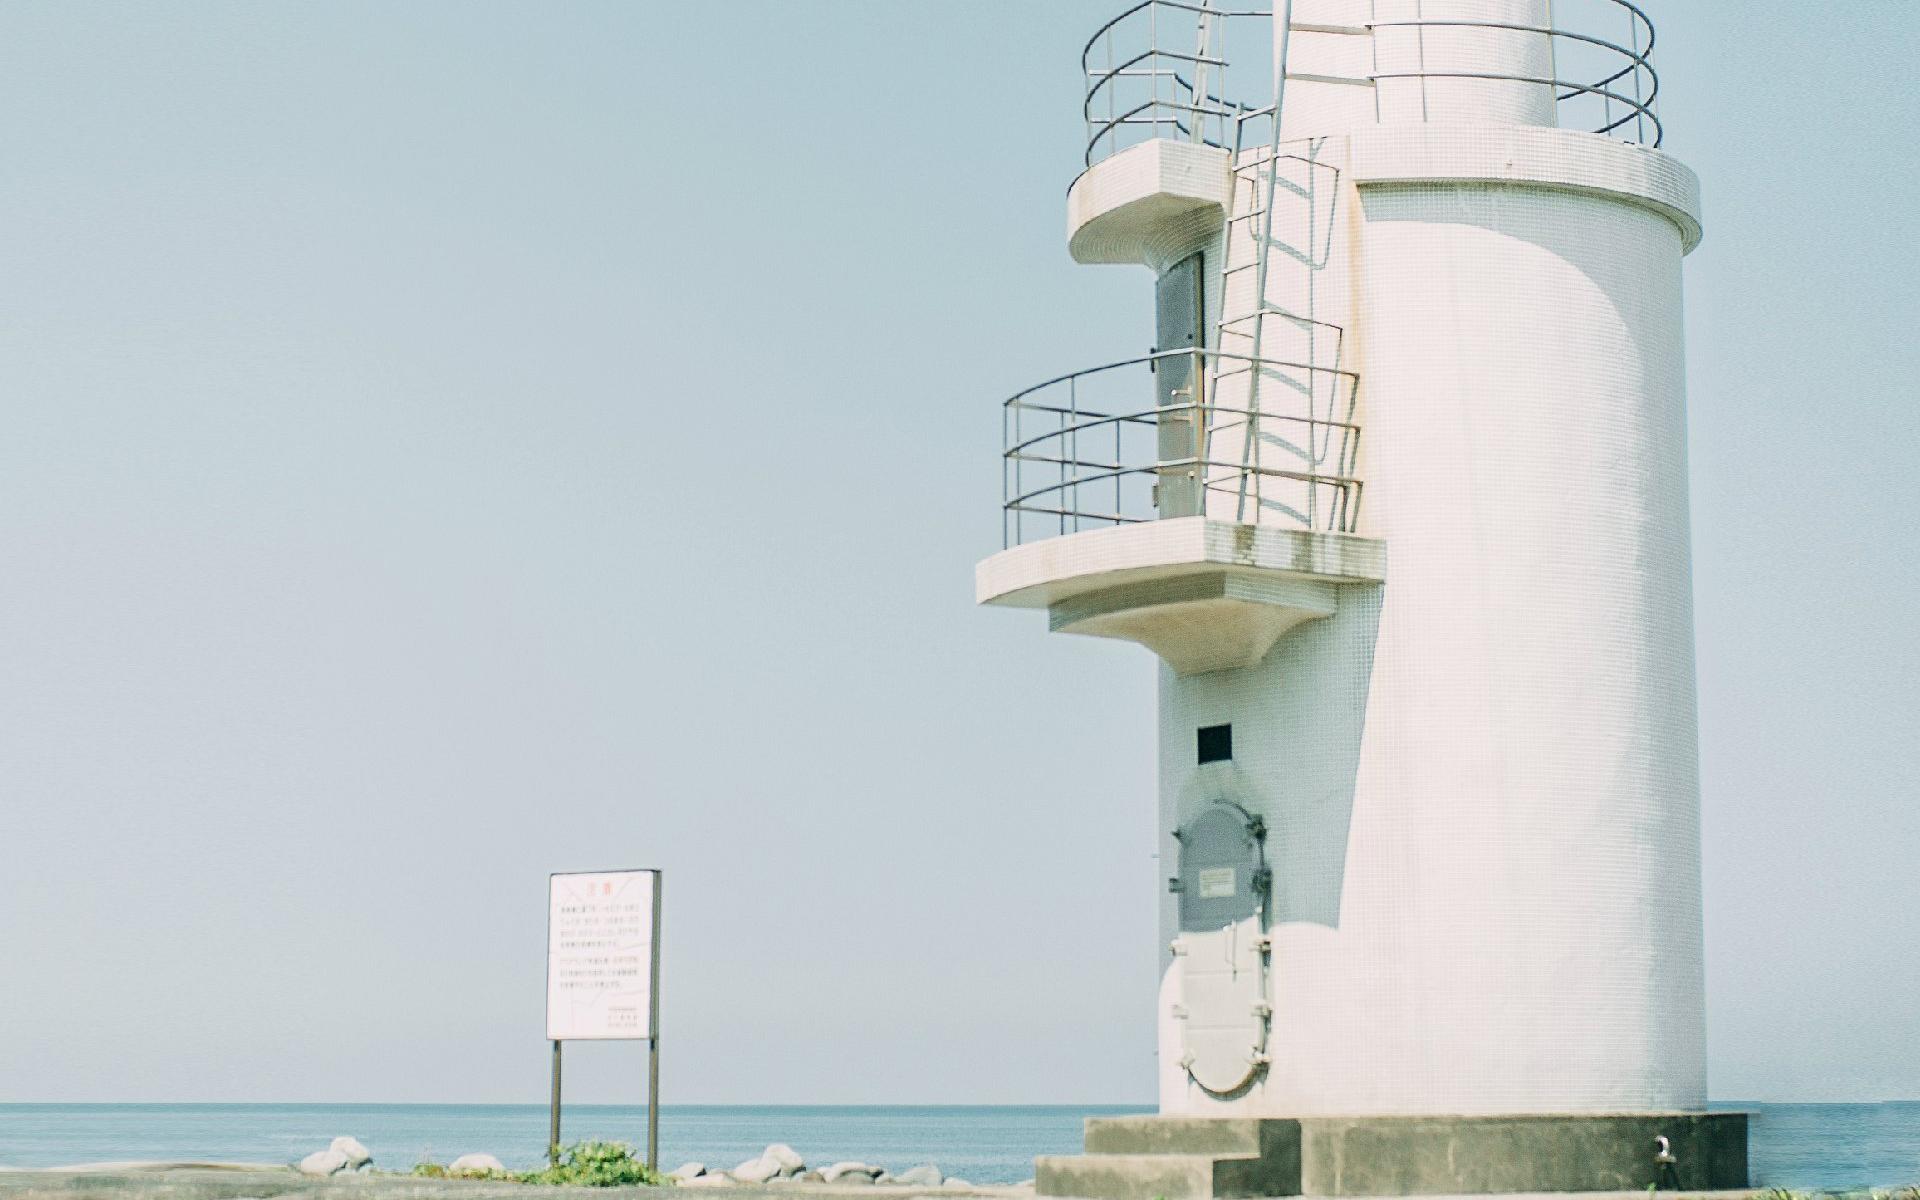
(582, 1164)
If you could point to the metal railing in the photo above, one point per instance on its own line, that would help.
(1160, 70)
(1599, 85)
(1075, 460)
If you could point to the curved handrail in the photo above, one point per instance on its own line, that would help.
(1155, 415)
(1019, 503)
(1182, 5)
(1184, 352)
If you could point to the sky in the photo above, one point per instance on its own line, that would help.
(446, 443)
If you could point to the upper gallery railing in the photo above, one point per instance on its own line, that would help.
(1161, 68)
(1158, 70)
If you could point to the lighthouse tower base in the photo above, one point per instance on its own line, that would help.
(1198, 1158)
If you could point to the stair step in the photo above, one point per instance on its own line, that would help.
(1167, 1176)
(1172, 1135)
(1126, 1176)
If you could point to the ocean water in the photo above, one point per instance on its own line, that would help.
(1807, 1146)
(978, 1143)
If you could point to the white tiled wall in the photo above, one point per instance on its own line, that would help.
(1425, 72)
(1481, 776)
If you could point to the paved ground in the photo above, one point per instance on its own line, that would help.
(215, 1182)
(123, 1181)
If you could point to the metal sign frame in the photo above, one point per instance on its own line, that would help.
(652, 1037)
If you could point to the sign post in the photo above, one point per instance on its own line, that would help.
(653, 1037)
(603, 975)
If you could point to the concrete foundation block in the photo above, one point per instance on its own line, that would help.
(1184, 1158)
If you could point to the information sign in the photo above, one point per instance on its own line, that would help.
(600, 956)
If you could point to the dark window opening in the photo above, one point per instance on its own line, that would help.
(1216, 743)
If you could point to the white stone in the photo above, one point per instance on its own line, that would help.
(323, 1163)
(956, 1183)
(789, 1161)
(717, 1179)
(474, 1164)
(756, 1170)
(838, 1172)
(357, 1154)
(686, 1171)
(924, 1175)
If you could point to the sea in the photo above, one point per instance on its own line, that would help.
(1800, 1146)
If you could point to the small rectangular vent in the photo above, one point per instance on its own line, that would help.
(1216, 743)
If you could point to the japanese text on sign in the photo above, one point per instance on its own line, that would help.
(599, 955)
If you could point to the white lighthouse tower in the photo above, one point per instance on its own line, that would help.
(1399, 500)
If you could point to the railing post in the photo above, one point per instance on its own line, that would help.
(1153, 65)
(1006, 497)
(1060, 457)
(1553, 61)
(1073, 444)
(1113, 110)
(1199, 370)
(1639, 100)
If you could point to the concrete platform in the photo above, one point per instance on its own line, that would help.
(1170, 1158)
(1203, 594)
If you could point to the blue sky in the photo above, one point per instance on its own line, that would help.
(448, 443)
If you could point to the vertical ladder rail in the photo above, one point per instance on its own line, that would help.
(1203, 60)
(1265, 181)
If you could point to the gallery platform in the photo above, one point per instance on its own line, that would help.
(1203, 594)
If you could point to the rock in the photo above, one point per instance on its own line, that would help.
(357, 1155)
(840, 1171)
(956, 1183)
(756, 1170)
(809, 1177)
(686, 1171)
(323, 1163)
(924, 1175)
(790, 1163)
(717, 1179)
(475, 1164)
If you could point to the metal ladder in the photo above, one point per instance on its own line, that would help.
(1258, 177)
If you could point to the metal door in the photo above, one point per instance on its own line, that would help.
(1223, 886)
(1178, 383)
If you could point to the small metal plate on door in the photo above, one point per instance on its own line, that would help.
(1217, 882)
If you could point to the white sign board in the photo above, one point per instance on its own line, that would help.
(599, 955)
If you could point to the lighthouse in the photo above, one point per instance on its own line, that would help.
(1398, 500)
